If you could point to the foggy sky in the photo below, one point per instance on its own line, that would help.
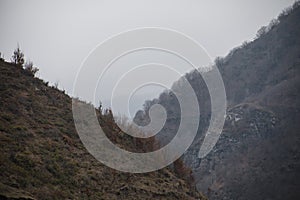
(58, 35)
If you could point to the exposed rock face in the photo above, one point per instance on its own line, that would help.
(258, 153)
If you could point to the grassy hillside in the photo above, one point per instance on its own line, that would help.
(43, 158)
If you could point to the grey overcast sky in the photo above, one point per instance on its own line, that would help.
(58, 35)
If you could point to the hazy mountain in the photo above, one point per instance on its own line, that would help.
(258, 154)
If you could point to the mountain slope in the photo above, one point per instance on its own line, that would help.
(258, 154)
(43, 158)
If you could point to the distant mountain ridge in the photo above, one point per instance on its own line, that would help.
(258, 154)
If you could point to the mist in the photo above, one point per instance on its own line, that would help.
(58, 36)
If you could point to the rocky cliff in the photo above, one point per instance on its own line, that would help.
(257, 155)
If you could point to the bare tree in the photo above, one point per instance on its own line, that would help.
(30, 68)
(18, 57)
(1, 58)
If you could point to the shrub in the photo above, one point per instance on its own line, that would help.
(183, 172)
(18, 57)
(30, 68)
(1, 58)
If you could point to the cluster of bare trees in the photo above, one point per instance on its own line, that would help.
(18, 58)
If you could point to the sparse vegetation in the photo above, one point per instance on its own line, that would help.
(42, 156)
(1, 57)
(30, 68)
(261, 78)
(18, 57)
